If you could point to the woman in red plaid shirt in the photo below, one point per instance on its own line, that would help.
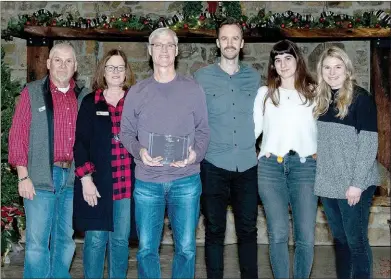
(104, 169)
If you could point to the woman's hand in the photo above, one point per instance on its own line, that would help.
(353, 195)
(90, 193)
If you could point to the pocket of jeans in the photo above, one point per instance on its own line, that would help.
(311, 160)
(268, 162)
(263, 158)
(138, 185)
(268, 159)
(269, 171)
(313, 157)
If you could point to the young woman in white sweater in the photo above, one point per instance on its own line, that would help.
(283, 112)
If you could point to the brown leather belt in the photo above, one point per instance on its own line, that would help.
(64, 164)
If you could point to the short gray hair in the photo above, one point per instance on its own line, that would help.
(62, 46)
(162, 31)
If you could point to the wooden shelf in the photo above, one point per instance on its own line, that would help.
(199, 35)
(370, 33)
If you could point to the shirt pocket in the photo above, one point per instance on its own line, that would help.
(216, 102)
(246, 102)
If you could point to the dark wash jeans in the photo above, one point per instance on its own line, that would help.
(349, 227)
(218, 187)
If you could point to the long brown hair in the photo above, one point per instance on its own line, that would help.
(99, 81)
(304, 83)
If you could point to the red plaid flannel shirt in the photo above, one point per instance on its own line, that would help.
(64, 117)
(121, 160)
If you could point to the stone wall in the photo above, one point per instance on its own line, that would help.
(191, 56)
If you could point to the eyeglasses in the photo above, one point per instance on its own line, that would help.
(110, 68)
(59, 62)
(160, 46)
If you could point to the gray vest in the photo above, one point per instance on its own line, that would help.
(40, 155)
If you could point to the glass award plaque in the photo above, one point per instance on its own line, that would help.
(170, 148)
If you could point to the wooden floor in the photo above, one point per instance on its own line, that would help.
(323, 263)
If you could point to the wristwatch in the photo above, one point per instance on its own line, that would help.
(23, 178)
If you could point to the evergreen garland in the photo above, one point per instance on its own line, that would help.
(192, 9)
(9, 91)
(232, 9)
(192, 17)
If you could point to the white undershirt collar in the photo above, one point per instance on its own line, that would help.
(63, 89)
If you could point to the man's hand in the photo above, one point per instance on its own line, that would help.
(353, 195)
(190, 160)
(148, 160)
(26, 189)
(90, 193)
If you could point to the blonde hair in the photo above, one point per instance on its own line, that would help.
(323, 92)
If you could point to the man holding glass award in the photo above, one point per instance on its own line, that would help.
(165, 127)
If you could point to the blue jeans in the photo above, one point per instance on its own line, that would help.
(118, 245)
(182, 197)
(289, 183)
(49, 217)
(349, 227)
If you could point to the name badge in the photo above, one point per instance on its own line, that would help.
(104, 113)
(41, 109)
